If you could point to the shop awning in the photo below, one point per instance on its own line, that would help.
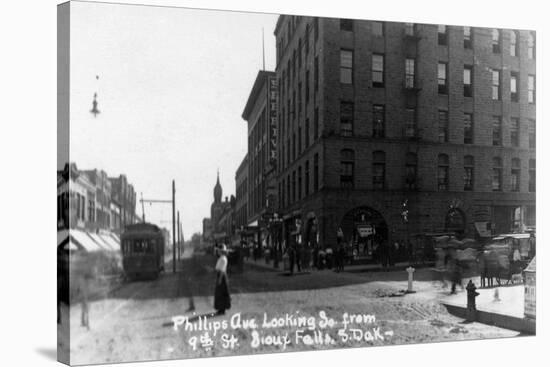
(111, 241)
(99, 241)
(86, 241)
(70, 244)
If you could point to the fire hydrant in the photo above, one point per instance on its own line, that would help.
(410, 271)
(471, 305)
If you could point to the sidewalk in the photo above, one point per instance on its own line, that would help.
(507, 312)
(359, 268)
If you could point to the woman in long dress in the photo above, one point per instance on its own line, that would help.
(222, 299)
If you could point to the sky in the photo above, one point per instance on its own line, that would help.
(172, 84)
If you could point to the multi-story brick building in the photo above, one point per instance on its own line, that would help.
(260, 112)
(373, 115)
(123, 196)
(241, 203)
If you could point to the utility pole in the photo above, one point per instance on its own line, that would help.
(142, 209)
(174, 226)
(179, 237)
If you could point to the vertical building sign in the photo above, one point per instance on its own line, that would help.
(272, 100)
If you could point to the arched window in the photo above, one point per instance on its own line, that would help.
(497, 174)
(347, 162)
(378, 169)
(514, 43)
(443, 172)
(468, 173)
(531, 45)
(496, 41)
(515, 174)
(411, 164)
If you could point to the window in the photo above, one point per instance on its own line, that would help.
(514, 95)
(377, 28)
(531, 86)
(347, 160)
(293, 64)
(443, 172)
(409, 73)
(306, 39)
(442, 78)
(288, 190)
(410, 123)
(378, 121)
(378, 170)
(468, 173)
(299, 140)
(532, 175)
(514, 131)
(316, 172)
(442, 35)
(468, 128)
(532, 133)
(495, 89)
(411, 163)
(293, 146)
(316, 28)
(346, 118)
(515, 174)
(299, 53)
(91, 210)
(378, 70)
(306, 179)
(307, 87)
(497, 174)
(293, 112)
(531, 44)
(514, 36)
(316, 124)
(467, 37)
(346, 25)
(467, 81)
(443, 135)
(306, 140)
(495, 41)
(293, 186)
(288, 151)
(497, 130)
(346, 66)
(316, 74)
(299, 183)
(299, 98)
(410, 29)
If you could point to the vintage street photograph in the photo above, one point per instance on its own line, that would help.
(236, 183)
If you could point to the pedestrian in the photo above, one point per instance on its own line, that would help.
(385, 253)
(222, 299)
(340, 256)
(329, 257)
(298, 254)
(455, 271)
(291, 258)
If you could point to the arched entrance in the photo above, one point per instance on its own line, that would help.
(364, 229)
(455, 221)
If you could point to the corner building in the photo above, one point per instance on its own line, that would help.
(378, 117)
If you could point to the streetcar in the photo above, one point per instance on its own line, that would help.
(142, 247)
